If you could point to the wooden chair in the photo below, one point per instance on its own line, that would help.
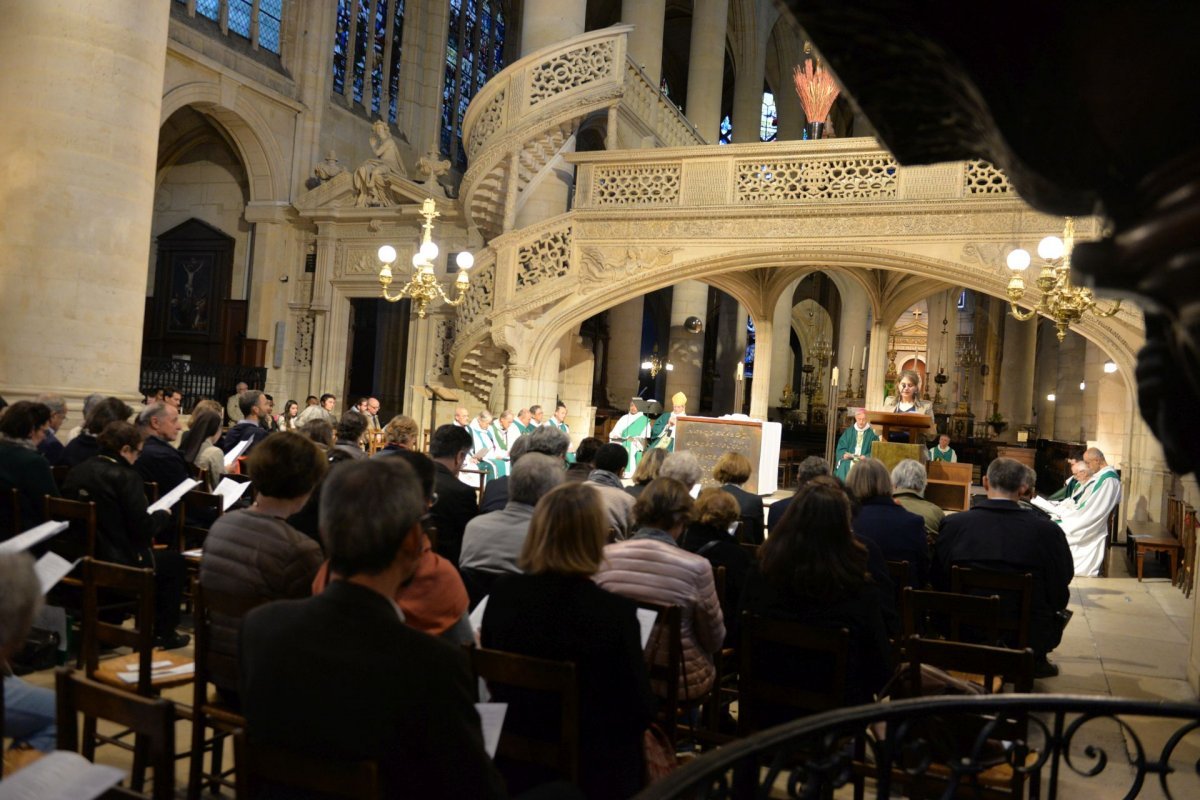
(263, 766)
(151, 491)
(666, 678)
(74, 511)
(552, 680)
(761, 691)
(899, 572)
(151, 719)
(137, 584)
(10, 512)
(482, 482)
(933, 615)
(196, 501)
(1015, 591)
(224, 719)
(59, 473)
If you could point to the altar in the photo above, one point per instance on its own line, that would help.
(709, 438)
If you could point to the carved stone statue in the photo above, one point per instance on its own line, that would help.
(329, 168)
(432, 166)
(372, 176)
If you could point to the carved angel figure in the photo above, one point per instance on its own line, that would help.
(371, 177)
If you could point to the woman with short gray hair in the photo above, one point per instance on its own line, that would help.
(909, 479)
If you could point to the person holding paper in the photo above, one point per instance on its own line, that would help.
(160, 461)
(254, 406)
(854, 444)
(28, 710)
(125, 533)
(22, 467)
(254, 552)
(555, 611)
(399, 697)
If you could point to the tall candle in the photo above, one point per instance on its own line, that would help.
(835, 376)
(864, 359)
(739, 374)
(853, 353)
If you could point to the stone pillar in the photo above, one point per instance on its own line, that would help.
(686, 349)
(791, 115)
(543, 23)
(646, 41)
(747, 94)
(760, 388)
(1046, 380)
(706, 66)
(625, 351)
(782, 360)
(852, 336)
(516, 387)
(1068, 409)
(877, 364)
(78, 191)
(1017, 366)
(575, 386)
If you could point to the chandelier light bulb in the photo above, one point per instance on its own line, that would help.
(464, 260)
(1050, 248)
(429, 250)
(1018, 260)
(646, 365)
(418, 260)
(387, 254)
(1082, 385)
(670, 366)
(1110, 366)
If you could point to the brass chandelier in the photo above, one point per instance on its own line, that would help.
(423, 287)
(656, 364)
(1061, 300)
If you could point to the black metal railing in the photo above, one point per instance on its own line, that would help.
(954, 747)
(197, 380)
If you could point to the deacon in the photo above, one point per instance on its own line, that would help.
(854, 444)
(630, 431)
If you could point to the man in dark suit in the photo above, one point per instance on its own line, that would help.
(457, 503)
(997, 534)
(161, 462)
(340, 675)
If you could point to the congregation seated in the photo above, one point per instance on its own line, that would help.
(492, 542)
(711, 534)
(457, 503)
(647, 470)
(161, 462)
(732, 470)
(651, 567)
(85, 445)
(371, 687)
(51, 447)
(125, 533)
(899, 533)
(29, 715)
(606, 477)
(253, 405)
(199, 446)
(253, 552)
(545, 439)
(585, 459)
(399, 434)
(22, 467)
(555, 611)
(350, 430)
(813, 570)
(89, 405)
(998, 535)
(684, 467)
(909, 479)
(809, 468)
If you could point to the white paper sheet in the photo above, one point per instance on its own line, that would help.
(170, 672)
(197, 553)
(646, 620)
(477, 616)
(168, 500)
(230, 490)
(38, 533)
(52, 568)
(237, 450)
(491, 717)
(63, 775)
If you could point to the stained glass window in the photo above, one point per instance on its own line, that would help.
(474, 53)
(209, 8)
(358, 38)
(768, 124)
(270, 15)
(726, 133)
(240, 18)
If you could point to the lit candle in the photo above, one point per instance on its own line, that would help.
(835, 376)
(853, 353)
(864, 359)
(739, 374)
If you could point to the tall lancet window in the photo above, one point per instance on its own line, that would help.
(474, 53)
(366, 55)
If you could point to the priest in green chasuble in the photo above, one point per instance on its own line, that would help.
(854, 444)
(631, 431)
(662, 435)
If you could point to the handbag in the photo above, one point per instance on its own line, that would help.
(659, 752)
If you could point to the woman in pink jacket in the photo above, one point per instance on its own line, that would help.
(651, 567)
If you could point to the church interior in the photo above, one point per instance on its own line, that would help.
(499, 204)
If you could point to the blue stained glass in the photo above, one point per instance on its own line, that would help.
(474, 53)
(239, 17)
(270, 12)
(340, 40)
(380, 39)
(209, 8)
(394, 68)
(726, 133)
(768, 124)
(360, 50)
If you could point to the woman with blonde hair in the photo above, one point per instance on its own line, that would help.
(647, 469)
(555, 611)
(399, 434)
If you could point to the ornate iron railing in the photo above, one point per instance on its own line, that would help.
(197, 380)
(1107, 747)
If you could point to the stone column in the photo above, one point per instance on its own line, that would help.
(78, 191)
(575, 386)
(852, 336)
(748, 94)
(686, 349)
(516, 387)
(760, 388)
(625, 351)
(1046, 378)
(645, 42)
(706, 66)
(781, 346)
(1017, 362)
(877, 364)
(1068, 409)
(543, 23)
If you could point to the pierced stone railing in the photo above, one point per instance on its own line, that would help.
(776, 173)
(523, 116)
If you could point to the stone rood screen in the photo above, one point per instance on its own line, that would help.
(710, 438)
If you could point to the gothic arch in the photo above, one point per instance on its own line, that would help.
(233, 113)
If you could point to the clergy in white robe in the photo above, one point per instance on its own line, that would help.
(1085, 521)
(631, 431)
(487, 455)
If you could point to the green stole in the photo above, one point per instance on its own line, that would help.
(498, 435)
(658, 436)
(634, 430)
(937, 455)
(1105, 474)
